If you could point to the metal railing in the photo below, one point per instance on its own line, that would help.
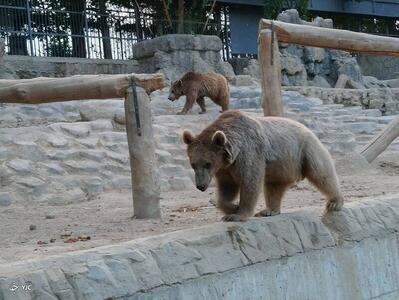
(44, 28)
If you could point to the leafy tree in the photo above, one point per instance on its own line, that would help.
(171, 16)
(15, 20)
(104, 28)
(77, 25)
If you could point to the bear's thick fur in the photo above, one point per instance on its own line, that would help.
(196, 86)
(245, 152)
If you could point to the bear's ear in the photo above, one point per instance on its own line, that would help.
(179, 83)
(219, 138)
(230, 153)
(188, 137)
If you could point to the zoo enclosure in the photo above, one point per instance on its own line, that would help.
(88, 29)
(271, 32)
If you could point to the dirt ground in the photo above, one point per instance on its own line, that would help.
(40, 230)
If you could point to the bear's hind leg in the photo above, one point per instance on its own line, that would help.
(224, 103)
(329, 187)
(274, 193)
(227, 191)
(201, 103)
(320, 171)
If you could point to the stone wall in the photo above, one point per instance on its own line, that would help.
(175, 54)
(386, 99)
(382, 67)
(31, 67)
(352, 254)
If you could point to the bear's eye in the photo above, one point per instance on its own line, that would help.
(207, 166)
(193, 166)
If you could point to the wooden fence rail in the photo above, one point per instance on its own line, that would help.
(79, 87)
(132, 87)
(346, 40)
(271, 32)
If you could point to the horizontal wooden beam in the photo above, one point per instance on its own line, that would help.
(313, 36)
(80, 87)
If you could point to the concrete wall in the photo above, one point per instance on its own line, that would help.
(382, 67)
(30, 67)
(352, 254)
(176, 54)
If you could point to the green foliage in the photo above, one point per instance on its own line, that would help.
(58, 46)
(195, 13)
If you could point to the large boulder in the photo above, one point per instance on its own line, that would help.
(293, 70)
(315, 66)
(175, 54)
(292, 16)
(303, 66)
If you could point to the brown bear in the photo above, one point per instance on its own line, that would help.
(196, 86)
(245, 152)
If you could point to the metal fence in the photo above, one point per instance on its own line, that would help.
(90, 30)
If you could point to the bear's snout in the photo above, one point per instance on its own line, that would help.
(202, 188)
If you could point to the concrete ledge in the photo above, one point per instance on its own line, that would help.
(353, 254)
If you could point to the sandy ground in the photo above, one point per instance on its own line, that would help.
(39, 230)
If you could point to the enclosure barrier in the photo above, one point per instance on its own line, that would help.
(134, 88)
(272, 32)
(350, 254)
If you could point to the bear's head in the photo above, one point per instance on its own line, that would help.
(176, 90)
(207, 155)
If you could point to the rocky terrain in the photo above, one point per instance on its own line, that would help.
(68, 152)
(65, 175)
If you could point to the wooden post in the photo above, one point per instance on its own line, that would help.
(381, 141)
(145, 182)
(269, 59)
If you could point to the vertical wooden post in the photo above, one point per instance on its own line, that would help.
(269, 59)
(145, 183)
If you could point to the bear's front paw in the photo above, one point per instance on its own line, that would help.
(267, 213)
(334, 204)
(234, 218)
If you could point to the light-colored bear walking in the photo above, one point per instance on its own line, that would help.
(245, 153)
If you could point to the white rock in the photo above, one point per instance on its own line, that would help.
(93, 185)
(57, 142)
(21, 166)
(77, 130)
